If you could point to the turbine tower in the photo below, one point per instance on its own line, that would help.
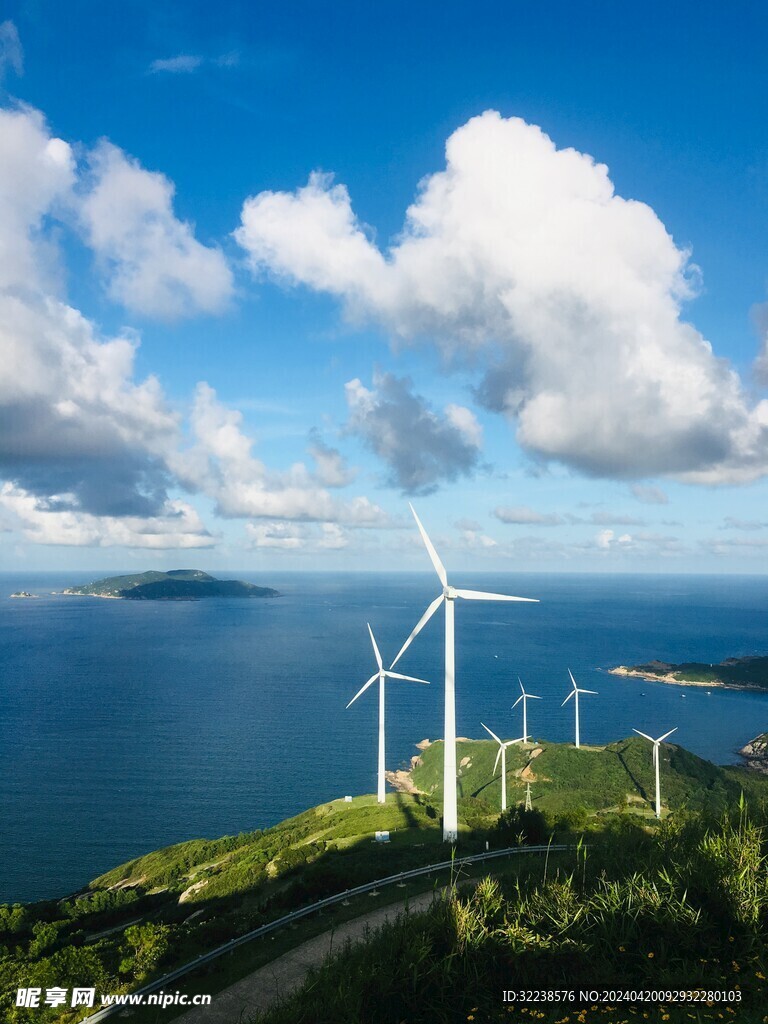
(502, 753)
(381, 675)
(448, 595)
(656, 761)
(524, 697)
(575, 694)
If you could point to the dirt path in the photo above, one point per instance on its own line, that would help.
(274, 981)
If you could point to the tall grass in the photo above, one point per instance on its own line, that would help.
(686, 910)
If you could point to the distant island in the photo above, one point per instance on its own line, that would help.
(750, 673)
(23, 593)
(175, 585)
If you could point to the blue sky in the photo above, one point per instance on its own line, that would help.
(213, 358)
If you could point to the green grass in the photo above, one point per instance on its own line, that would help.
(684, 909)
(618, 776)
(234, 884)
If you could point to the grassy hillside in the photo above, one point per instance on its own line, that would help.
(617, 777)
(155, 912)
(683, 910)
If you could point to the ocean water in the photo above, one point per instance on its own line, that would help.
(126, 726)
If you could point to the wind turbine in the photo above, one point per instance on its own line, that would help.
(381, 675)
(575, 694)
(524, 697)
(656, 761)
(448, 595)
(503, 755)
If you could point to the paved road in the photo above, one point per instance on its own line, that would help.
(268, 984)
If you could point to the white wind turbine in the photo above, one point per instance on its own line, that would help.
(448, 595)
(381, 675)
(575, 694)
(503, 755)
(524, 697)
(656, 761)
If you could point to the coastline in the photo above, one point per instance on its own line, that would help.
(669, 678)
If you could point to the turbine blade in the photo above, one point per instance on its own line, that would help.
(572, 679)
(521, 697)
(480, 595)
(510, 742)
(411, 679)
(644, 735)
(495, 763)
(439, 567)
(375, 648)
(522, 688)
(568, 698)
(662, 738)
(587, 691)
(418, 627)
(532, 696)
(363, 689)
(491, 732)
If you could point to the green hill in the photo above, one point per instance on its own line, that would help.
(176, 584)
(598, 779)
(163, 909)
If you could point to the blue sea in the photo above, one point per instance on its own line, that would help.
(126, 726)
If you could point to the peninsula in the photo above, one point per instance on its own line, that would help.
(175, 585)
(749, 673)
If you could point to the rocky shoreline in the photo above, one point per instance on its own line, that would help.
(670, 677)
(755, 753)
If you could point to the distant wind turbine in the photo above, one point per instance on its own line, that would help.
(656, 761)
(448, 595)
(524, 697)
(575, 694)
(381, 675)
(502, 753)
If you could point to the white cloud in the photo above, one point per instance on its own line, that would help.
(152, 262)
(521, 257)
(188, 63)
(523, 515)
(179, 527)
(220, 463)
(332, 469)
(11, 53)
(421, 447)
(302, 537)
(182, 63)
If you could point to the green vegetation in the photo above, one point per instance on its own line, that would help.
(744, 673)
(161, 910)
(614, 778)
(177, 584)
(683, 909)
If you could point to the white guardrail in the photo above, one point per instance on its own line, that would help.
(295, 915)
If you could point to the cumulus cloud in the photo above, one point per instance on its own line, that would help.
(521, 258)
(523, 515)
(220, 463)
(11, 53)
(151, 260)
(304, 537)
(420, 447)
(43, 521)
(332, 469)
(73, 420)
